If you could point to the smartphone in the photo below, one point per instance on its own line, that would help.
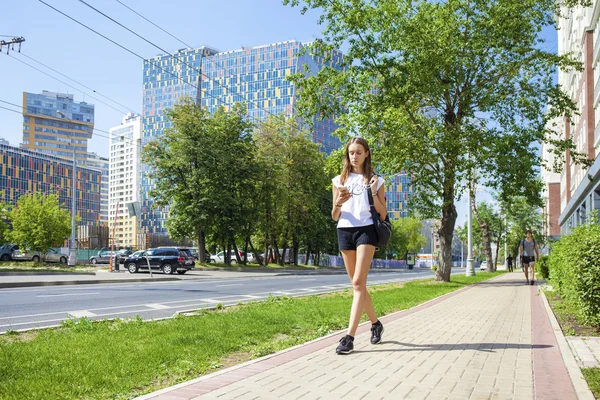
(342, 189)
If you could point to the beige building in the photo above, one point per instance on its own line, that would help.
(572, 196)
(124, 181)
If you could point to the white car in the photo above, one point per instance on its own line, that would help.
(220, 257)
(483, 265)
(37, 256)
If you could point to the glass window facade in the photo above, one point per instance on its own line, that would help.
(399, 190)
(23, 171)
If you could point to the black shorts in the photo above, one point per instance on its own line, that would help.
(351, 238)
(528, 259)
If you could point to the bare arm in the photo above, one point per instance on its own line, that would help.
(339, 198)
(379, 200)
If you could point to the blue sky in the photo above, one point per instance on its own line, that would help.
(82, 55)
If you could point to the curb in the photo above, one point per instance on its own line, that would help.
(579, 383)
(47, 273)
(6, 285)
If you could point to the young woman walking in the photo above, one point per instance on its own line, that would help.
(357, 237)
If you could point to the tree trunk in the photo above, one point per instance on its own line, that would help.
(237, 253)
(296, 245)
(485, 235)
(246, 250)
(228, 254)
(201, 247)
(446, 232)
(307, 254)
(256, 257)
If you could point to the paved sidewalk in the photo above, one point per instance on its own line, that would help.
(488, 341)
(586, 350)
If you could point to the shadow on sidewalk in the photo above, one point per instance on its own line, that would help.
(486, 347)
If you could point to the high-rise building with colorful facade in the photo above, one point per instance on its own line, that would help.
(94, 161)
(256, 76)
(398, 191)
(166, 80)
(23, 171)
(54, 124)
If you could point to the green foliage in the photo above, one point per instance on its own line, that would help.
(542, 267)
(592, 376)
(39, 222)
(575, 270)
(204, 171)
(4, 221)
(443, 89)
(406, 236)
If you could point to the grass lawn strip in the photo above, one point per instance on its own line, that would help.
(592, 376)
(572, 325)
(125, 358)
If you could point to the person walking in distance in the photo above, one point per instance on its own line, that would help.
(529, 250)
(509, 263)
(357, 237)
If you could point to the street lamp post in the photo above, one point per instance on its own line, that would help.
(470, 267)
(72, 260)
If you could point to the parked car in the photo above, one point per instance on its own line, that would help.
(483, 265)
(166, 259)
(6, 251)
(220, 256)
(37, 256)
(123, 255)
(102, 258)
(196, 254)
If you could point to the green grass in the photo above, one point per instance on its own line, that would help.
(256, 266)
(32, 267)
(592, 376)
(121, 359)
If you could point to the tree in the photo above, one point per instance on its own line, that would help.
(204, 171)
(442, 89)
(39, 222)
(295, 193)
(406, 236)
(4, 221)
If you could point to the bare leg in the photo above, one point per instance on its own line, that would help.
(364, 256)
(526, 270)
(531, 265)
(349, 257)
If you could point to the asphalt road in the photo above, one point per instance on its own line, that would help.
(37, 307)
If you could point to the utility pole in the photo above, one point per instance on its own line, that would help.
(10, 44)
(73, 247)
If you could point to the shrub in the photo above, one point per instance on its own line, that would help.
(574, 267)
(542, 267)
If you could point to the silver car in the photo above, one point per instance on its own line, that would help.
(37, 256)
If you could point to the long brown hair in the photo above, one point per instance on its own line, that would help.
(367, 168)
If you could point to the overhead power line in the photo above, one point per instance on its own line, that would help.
(146, 19)
(79, 83)
(181, 61)
(65, 83)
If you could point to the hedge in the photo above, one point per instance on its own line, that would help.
(574, 267)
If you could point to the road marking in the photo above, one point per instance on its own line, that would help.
(157, 306)
(306, 280)
(81, 313)
(66, 294)
(210, 301)
(237, 284)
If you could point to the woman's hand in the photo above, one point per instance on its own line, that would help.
(373, 184)
(343, 196)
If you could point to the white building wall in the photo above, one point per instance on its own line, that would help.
(124, 179)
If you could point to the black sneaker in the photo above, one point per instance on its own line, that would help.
(376, 332)
(531, 282)
(527, 283)
(346, 345)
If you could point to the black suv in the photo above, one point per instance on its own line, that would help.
(166, 259)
